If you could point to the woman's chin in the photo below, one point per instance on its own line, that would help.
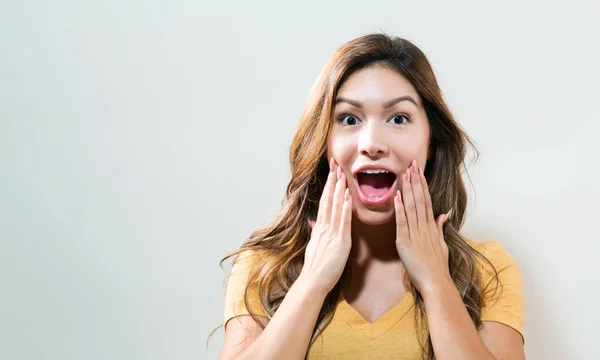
(374, 217)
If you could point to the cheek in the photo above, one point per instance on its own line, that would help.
(410, 148)
(341, 149)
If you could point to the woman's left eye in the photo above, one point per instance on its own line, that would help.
(402, 119)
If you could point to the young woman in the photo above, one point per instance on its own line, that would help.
(366, 260)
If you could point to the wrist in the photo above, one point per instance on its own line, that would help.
(311, 287)
(438, 289)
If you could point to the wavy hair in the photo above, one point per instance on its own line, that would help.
(282, 243)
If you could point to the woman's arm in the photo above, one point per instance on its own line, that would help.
(421, 245)
(288, 333)
(454, 335)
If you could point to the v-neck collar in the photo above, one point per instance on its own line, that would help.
(374, 330)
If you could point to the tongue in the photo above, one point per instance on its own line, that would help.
(375, 185)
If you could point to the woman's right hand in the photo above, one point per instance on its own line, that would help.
(330, 242)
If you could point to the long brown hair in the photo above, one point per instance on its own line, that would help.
(282, 243)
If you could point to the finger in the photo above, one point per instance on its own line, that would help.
(346, 218)
(338, 201)
(409, 204)
(327, 196)
(415, 180)
(428, 203)
(402, 233)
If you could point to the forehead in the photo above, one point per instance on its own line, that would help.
(377, 83)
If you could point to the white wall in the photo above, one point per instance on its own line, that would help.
(140, 141)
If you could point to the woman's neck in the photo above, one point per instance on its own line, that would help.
(373, 243)
(374, 261)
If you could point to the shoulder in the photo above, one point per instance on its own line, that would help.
(244, 261)
(242, 295)
(501, 265)
(490, 247)
(502, 285)
(495, 253)
(241, 269)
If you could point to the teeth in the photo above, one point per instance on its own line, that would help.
(374, 171)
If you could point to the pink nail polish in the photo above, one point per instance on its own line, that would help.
(414, 168)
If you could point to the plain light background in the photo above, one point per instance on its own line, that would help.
(141, 141)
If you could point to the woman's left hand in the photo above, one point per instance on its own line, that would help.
(419, 236)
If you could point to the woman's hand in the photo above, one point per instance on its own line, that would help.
(329, 246)
(419, 236)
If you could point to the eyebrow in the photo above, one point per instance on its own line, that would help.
(386, 105)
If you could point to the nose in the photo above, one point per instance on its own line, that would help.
(372, 140)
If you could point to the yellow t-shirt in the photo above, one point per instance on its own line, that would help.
(350, 336)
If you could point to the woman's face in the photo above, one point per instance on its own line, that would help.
(379, 127)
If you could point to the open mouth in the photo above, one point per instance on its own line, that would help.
(375, 186)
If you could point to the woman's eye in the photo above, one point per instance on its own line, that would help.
(348, 119)
(401, 119)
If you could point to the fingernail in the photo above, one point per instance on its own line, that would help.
(408, 175)
(339, 173)
(331, 164)
(414, 167)
(347, 194)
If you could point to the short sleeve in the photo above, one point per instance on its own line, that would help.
(505, 304)
(236, 287)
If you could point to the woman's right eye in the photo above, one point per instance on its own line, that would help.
(347, 119)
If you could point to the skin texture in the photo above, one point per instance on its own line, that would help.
(392, 137)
